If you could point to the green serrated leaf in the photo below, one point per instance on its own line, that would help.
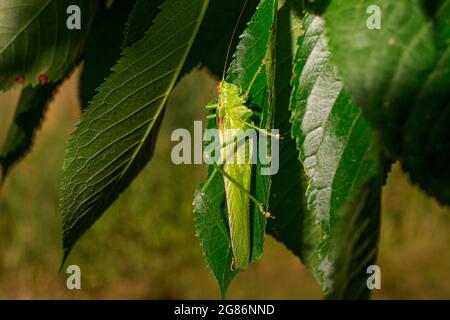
(399, 75)
(210, 213)
(115, 137)
(27, 119)
(211, 224)
(337, 148)
(103, 48)
(35, 40)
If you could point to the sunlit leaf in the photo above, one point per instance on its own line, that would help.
(337, 147)
(114, 139)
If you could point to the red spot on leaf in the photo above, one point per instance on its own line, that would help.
(20, 80)
(43, 79)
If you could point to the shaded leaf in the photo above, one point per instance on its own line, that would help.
(114, 139)
(399, 75)
(426, 134)
(210, 212)
(30, 46)
(27, 120)
(337, 148)
(382, 68)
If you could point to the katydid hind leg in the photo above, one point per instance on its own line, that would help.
(259, 204)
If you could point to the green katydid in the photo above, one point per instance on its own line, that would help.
(233, 115)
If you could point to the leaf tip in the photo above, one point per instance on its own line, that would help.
(64, 258)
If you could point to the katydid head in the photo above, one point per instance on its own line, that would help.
(230, 95)
(227, 87)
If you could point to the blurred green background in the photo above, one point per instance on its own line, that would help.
(144, 246)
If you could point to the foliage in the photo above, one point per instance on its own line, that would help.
(349, 100)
